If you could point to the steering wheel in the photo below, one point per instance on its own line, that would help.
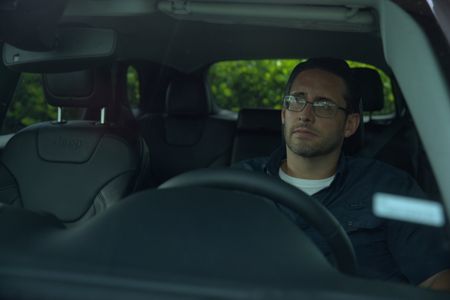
(260, 184)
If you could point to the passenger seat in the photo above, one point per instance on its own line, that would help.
(72, 169)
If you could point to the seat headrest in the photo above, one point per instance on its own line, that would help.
(255, 119)
(371, 88)
(87, 88)
(354, 143)
(186, 95)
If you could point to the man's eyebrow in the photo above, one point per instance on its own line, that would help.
(324, 99)
(298, 94)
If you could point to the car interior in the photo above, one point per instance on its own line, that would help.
(138, 200)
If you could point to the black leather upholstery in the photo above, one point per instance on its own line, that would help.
(371, 88)
(258, 133)
(64, 172)
(187, 96)
(188, 136)
(72, 169)
(86, 88)
(383, 140)
(355, 142)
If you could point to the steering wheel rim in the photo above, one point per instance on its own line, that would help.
(260, 184)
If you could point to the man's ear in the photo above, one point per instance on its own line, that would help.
(351, 124)
(282, 115)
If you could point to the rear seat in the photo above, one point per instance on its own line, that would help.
(258, 133)
(188, 136)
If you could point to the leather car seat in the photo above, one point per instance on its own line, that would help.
(188, 135)
(72, 169)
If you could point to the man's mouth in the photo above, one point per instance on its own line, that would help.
(304, 132)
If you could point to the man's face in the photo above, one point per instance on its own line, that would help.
(308, 135)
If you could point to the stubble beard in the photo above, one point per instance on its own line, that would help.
(310, 150)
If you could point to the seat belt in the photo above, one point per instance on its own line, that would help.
(383, 139)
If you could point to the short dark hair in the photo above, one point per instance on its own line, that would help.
(335, 66)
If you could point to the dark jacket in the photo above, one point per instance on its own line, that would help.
(385, 249)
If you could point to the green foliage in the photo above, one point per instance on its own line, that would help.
(133, 87)
(28, 106)
(253, 83)
(260, 83)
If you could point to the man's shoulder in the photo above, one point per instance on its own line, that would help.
(373, 166)
(381, 176)
(267, 164)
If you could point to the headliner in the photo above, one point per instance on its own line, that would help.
(189, 44)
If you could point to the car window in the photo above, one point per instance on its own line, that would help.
(28, 105)
(260, 84)
(133, 87)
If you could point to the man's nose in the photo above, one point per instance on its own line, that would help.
(307, 113)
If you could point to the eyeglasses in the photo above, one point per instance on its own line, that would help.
(322, 108)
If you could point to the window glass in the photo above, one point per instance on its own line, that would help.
(29, 106)
(133, 87)
(252, 83)
(260, 83)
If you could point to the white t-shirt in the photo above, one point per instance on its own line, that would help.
(309, 186)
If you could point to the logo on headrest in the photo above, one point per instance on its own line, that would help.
(69, 143)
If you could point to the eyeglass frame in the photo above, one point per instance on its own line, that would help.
(314, 107)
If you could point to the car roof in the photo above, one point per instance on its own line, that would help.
(191, 35)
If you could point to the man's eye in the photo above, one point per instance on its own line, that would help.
(300, 101)
(324, 104)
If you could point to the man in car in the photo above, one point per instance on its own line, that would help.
(320, 110)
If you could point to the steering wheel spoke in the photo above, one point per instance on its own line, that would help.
(255, 183)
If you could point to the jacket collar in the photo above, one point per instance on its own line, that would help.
(275, 160)
(277, 157)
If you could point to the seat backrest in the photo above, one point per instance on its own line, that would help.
(188, 135)
(72, 169)
(258, 133)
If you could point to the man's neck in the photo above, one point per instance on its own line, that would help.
(319, 167)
